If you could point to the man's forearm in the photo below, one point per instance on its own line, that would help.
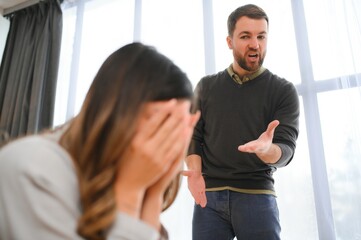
(194, 162)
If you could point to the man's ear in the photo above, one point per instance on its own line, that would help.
(229, 42)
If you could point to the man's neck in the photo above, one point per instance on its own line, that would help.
(246, 77)
(241, 72)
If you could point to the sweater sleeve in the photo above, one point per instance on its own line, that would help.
(129, 228)
(286, 133)
(195, 146)
(38, 191)
(287, 154)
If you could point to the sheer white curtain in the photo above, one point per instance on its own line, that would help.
(334, 33)
(92, 30)
(316, 44)
(175, 28)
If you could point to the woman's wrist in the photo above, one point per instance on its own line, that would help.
(151, 209)
(129, 200)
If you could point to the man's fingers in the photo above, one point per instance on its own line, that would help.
(248, 147)
(272, 126)
(203, 199)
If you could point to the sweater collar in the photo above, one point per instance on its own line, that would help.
(245, 78)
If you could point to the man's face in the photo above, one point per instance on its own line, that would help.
(249, 44)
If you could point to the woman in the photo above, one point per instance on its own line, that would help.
(110, 171)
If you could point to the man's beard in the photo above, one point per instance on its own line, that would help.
(241, 60)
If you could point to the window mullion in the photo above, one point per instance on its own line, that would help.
(75, 60)
(209, 55)
(137, 20)
(325, 223)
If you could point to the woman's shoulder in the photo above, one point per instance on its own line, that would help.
(39, 190)
(35, 156)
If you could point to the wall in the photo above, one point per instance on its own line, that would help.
(4, 28)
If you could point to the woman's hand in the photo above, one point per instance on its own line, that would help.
(153, 201)
(161, 136)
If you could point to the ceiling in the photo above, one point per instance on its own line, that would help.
(4, 4)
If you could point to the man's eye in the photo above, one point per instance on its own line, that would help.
(261, 37)
(244, 37)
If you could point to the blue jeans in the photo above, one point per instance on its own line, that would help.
(230, 214)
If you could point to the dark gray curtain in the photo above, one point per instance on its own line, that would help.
(29, 70)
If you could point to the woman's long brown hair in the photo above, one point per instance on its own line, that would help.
(98, 136)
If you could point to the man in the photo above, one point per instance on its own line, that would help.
(248, 128)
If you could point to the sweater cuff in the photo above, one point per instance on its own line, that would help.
(195, 148)
(286, 157)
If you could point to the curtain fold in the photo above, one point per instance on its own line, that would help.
(29, 70)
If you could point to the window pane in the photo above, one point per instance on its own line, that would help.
(341, 116)
(282, 58)
(334, 37)
(178, 218)
(4, 29)
(62, 88)
(294, 188)
(107, 25)
(175, 28)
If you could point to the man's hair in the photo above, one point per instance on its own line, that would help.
(250, 10)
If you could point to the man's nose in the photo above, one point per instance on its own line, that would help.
(253, 44)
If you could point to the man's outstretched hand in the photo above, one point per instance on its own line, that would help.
(263, 146)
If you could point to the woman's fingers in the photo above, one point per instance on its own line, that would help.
(156, 114)
(178, 139)
(162, 140)
(172, 134)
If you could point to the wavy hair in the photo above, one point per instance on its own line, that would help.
(99, 135)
